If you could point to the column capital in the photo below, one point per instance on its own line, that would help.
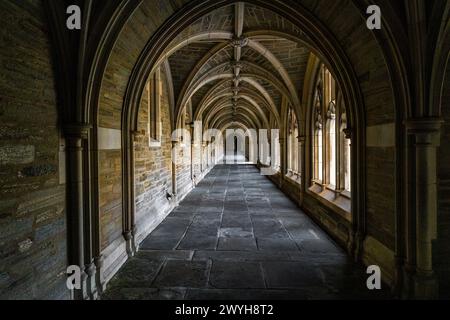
(77, 130)
(348, 132)
(424, 125)
(426, 130)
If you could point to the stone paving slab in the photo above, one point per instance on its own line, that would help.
(237, 237)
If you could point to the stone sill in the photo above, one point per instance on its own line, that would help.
(295, 178)
(154, 144)
(338, 202)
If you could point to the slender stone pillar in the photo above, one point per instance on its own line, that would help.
(193, 164)
(301, 167)
(75, 136)
(99, 278)
(283, 160)
(175, 145)
(204, 154)
(129, 227)
(424, 139)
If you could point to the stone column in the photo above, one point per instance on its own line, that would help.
(423, 141)
(175, 145)
(204, 154)
(99, 279)
(129, 230)
(301, 167)
(192, 147)
(283, 160)
(76, 135)
(193, 163)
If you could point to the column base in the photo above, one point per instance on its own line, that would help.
(99, 279)
(91, 282)
(419, 286)
(130, 244)
(425, 287)
(81, 294)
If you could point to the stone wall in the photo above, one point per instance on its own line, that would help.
(135, 34)
(33, 245)
(132, 40)
(197, 159)
(153, 168)
(183, 169)
(110, 196)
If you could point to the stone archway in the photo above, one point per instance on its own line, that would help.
(137, 63)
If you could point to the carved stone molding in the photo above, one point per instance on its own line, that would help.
(301, 139)
(80, 131)
(348, 132)
(426, 130)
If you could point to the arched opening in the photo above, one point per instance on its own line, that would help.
(339, 125)
(258, 98)
(331, 147)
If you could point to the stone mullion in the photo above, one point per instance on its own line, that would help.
(325, 140)
(324, 144)
(340, 186)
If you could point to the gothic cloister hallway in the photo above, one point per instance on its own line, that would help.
(116, 117)
(237, 236)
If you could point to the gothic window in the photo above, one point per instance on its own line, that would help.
(317, 132)
(345, 145)
(276, 158)
(154, 91)
(293, 146)
(331, 144)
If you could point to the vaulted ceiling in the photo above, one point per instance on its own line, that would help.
(231, 71)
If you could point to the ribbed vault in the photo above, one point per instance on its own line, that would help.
(233, 72)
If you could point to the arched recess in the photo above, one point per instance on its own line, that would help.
(240, 111)
(222, 117)
(324, 42)
(248, 78)
(255, 98)
(329, 48)
(225, 99)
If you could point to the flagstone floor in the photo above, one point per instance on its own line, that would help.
(237, 236)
